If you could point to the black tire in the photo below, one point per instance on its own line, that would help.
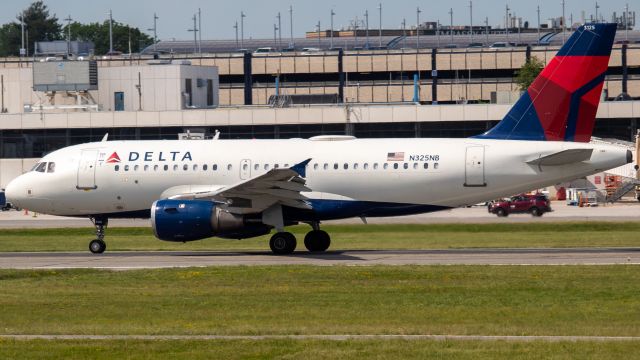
(501, 212)
(283, 243)
(536, 212)
(97, 246)
(317, 241)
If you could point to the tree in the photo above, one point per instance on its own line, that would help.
(528, 72)
(39, 25)
(98, 33)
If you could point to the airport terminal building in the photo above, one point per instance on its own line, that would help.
(397, 91)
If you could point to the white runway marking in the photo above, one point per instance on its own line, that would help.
(511, 338)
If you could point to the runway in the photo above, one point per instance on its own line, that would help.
(156, 260)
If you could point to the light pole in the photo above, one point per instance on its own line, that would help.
(564, 25)
(486, 29)
(438, 32)
(195, 33)
(242, 16)
(418, 11)
(626, 22)
(470, 21)
(237, 41)
(275, 35)
(404, 33)
(68, 19)
(22, 49)
(291, 44)
(380, 26)
(538, 10)
(279, 30)
(110, 32)
(318, 27)
(199, 31)
(366, 17)
(333, 13)
(451, 24)
(155, 31)
(506, 27)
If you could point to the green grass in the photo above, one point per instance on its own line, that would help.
(433, 236)
(310, 349)
(483, 300)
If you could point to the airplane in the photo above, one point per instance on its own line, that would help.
(237, 189)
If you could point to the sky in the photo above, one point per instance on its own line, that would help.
(218, 17)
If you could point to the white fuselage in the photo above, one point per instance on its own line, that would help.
(457, 171)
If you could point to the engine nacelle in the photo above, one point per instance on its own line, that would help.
(189, 220)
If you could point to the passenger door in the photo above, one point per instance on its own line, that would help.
(87, 170)
(474, 167)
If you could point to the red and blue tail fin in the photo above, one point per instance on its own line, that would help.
(561, 103)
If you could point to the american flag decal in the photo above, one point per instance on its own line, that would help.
(395, 156)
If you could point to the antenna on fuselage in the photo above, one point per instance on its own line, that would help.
(105, 138)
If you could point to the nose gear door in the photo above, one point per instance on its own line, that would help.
(87, 170)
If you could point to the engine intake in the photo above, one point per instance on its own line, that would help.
(190, 220)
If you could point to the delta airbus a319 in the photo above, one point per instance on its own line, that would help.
(238, 189)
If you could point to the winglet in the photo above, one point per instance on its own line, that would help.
(301, 168)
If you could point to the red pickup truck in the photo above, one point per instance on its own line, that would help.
(535, 205)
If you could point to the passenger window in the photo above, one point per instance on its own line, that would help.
(185, 167)
(435, 166)
(426, 166)
(415, 166)
(266, 166)
(386, 166)
(41, 167)
(135, 168)
(355, 166)
(175, 167)
(375, 166)
(155, 167)
(395, 166)
(166, 167)
(286, 165)
(214, 167)
(405, 166)
(126, 168)
(325, 166)
(335, 166)
(205, 167)
(315, 166)
(146, 168)
(256, 167)
(117, 168)
(229, 167)
(346, 166)
(366, 166)
(195, 167)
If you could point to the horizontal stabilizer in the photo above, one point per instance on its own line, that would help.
(563, 157)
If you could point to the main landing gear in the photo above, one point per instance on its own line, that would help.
(98, 246)
(316, 240)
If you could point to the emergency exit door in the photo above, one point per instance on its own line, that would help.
(87, 170)
(245, 169)
(474, 167)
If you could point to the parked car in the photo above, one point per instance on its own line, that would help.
(536, 205)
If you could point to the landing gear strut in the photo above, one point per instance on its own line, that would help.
(98, 246)
(317, 240)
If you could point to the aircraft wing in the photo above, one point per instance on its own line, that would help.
(277, 186)
(563, 157)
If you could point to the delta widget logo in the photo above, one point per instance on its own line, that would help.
(113, 159)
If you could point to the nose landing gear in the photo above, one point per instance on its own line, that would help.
(98, 246)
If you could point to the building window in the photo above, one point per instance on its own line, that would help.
(209, 92)
(118, 101)
(188, 89)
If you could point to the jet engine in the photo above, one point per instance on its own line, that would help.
(190, 220)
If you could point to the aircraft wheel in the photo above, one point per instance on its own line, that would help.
(97, 246)
(317, 241)
(283, 243)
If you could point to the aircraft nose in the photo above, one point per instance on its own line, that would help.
(15, 192)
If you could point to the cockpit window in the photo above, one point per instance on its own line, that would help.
(41, 167)
(51, 167)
